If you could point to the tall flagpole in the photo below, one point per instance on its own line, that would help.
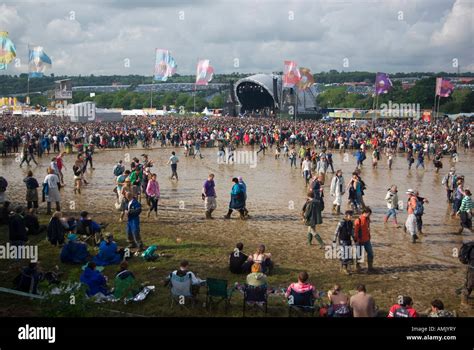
(437, 109)
(28, 72)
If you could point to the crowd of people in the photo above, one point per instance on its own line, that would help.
(310, 141)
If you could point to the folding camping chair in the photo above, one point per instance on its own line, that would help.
(256, 297)
(302, 303)
(217, 289)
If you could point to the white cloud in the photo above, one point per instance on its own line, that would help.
(260, 34)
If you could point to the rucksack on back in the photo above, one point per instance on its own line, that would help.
(419, 209)
(465, 252)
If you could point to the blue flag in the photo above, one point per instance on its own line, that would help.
(38, 62)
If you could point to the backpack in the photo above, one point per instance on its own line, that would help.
(118, 170)
(402, 311)
(419, 209)
(465, 252)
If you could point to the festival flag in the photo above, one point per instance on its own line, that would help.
(204, 72)
(165, 65)
(291, 74)
(7, 50)
(38, 62)
(307, 79)
(383, 84)
(444, 87)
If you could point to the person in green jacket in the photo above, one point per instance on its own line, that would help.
(312, 216)
(126, 286)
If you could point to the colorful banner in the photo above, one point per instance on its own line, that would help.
(165, 65)
(7, 50)
(291, 74)
(383, 84)
(38, 62)
(444, 87)
(307, 79)
(204, 72)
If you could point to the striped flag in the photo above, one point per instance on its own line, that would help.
(38, 62)
(291, 74)
(165, 65)
(7, 50)
(204, 72)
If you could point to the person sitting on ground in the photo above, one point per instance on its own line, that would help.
(339, 303)
(109, 253)
(125, 284)
(178, 279)
(56, 229)
(88, 227)
(74, 252)
(404, 308)
(256, 278)
(18, 234)
(362, 304)
(238, 260)
(29, 278)
(95, 281)
(262, 258)
(32, 223)
(437, 310)
(296, 290)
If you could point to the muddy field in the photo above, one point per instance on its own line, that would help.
(276, 193)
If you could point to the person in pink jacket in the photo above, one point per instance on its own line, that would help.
(153, 192)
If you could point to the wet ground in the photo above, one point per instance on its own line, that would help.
(276, 193)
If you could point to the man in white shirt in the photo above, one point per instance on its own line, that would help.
(174, 165)
(52, 195)
(306, 168)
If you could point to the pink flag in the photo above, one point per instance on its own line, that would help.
(444, 87)
(204, 72)
(291, 74)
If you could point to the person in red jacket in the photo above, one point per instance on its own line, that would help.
(362, 239)
(404, 308)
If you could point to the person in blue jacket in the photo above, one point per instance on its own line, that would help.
(74, 252)
(94, 280)
(237, 199)
(134, 210)
(109, 253)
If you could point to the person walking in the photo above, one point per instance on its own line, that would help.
(410, 224)
(344, 235)
(312, 216)
(337, 190)
(306, 169)
(362, 239)
(392, 204)
(174, 165)
(449, 182)
(153, 193)
(134, 209)
(237, 199)
(465, 212)
(209, 196)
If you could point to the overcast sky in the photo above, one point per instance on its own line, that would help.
(119, 37)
